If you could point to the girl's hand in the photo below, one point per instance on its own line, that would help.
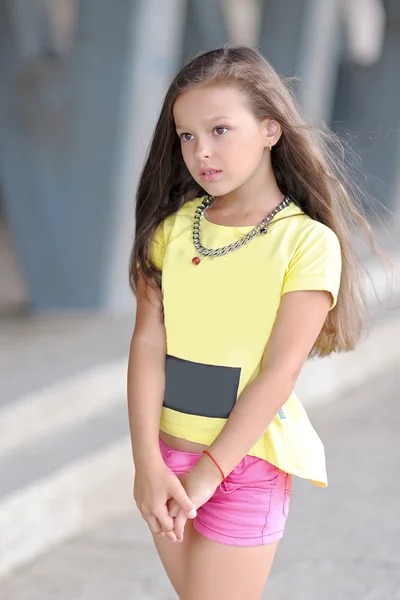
(200, 484)
(154, 486)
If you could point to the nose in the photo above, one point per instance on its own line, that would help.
(202, 150)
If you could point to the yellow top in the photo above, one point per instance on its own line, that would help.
(218, 318)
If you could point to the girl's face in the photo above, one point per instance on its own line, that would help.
(223, 144)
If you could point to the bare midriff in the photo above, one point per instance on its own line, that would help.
(181, 444)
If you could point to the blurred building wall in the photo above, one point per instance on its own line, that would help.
(59, 120)
(366, 108)
(80, 93)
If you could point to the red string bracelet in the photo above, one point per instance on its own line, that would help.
(215, 462)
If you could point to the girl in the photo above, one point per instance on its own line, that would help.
(244, 226)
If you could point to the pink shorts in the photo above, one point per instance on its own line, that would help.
(249, 508)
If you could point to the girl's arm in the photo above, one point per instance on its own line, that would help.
(155, 484)
(146, 375)
(299, 321)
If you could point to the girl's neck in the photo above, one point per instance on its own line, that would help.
(249, 199)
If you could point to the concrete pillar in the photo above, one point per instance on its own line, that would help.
(149, 69)
(302, 38)
(74, 133)
(367, 111)
(205, 27)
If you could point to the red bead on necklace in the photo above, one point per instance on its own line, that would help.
(196, 260)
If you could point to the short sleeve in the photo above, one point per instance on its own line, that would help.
(316, 263)
(157, 246)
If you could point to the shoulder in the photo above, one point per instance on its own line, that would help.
(177, 218)
(315, 232)
(189, 207)
(182, 218)
(314, 257)
(186, 210)
(308, 233)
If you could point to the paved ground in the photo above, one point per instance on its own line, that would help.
(342, 543)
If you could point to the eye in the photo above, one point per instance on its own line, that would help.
(184, 138)
(221, 130)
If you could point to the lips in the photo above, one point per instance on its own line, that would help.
(209, 174)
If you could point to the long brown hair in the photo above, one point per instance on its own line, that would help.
(308, 162)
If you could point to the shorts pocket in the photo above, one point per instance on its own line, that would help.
(256, 475)
(179, 462)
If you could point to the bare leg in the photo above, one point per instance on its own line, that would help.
(216, 571)
(174, 556)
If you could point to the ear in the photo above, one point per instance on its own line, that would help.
(273, 132)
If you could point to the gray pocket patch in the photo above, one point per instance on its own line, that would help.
(200, 389)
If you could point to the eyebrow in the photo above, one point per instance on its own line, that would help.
(206, 121)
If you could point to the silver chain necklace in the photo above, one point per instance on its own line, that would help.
(261, 228)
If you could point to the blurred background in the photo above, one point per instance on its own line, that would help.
(81, 85)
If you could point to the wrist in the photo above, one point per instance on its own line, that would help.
(211, 457)
(148, 456)
(208, 470)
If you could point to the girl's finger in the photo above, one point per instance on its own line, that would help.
(173, 508)
(154, 525)
(179, 494)
(180, 522)
(166, 522)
